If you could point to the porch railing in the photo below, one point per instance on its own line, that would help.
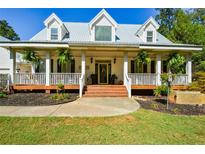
(128, 85)
(65, 78)
(151, 79)
(181, 79)
(30, 78)
(143, 78)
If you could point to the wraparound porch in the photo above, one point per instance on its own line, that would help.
(117, 61)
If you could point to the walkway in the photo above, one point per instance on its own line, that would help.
(84, 107)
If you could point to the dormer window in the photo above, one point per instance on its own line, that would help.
(149, 36)
(54, 33)
(103, 33)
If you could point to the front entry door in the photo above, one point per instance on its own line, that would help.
(103, 73)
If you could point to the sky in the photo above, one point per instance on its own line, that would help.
(28, 22)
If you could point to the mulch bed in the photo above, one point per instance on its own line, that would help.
(159, 104)
(34, 99)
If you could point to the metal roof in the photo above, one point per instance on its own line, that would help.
(3, 39)
(80, 32)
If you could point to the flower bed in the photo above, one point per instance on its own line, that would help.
(35, 99)
(159, 104)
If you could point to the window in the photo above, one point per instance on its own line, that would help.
(54, 33)
(149, 36)
(103, 33)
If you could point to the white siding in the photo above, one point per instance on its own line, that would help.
(4, 60)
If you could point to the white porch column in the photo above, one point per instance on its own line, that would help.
(158, 70)
(83, 62)
(33, 68)
(48, 68)
(125, 65)
(12, 69)
(189, 69)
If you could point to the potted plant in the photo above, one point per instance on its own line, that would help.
(113, 78)
(93, 78)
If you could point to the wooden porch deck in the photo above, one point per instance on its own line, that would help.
(76, 87)
(152, 87)
(42, 87)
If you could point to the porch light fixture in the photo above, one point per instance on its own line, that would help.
(91, 60)
(114, 60)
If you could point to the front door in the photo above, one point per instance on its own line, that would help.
(103, 73)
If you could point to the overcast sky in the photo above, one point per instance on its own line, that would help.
(28, 22)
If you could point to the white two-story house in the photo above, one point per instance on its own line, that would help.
(101, 48)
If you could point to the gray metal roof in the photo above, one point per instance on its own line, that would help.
(80, 32)
(3, 39)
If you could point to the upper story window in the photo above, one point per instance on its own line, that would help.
(103, 33)
(54, 33)
(149, 36)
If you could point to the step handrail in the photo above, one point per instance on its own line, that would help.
(128, 84)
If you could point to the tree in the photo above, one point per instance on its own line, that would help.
(185, 26)
(7, 31)
(176, 65)
(166, 19)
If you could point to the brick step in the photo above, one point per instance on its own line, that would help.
(105, 95)
(105, 89)
(101, 86)
(106, 92)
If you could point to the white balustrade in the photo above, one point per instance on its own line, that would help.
(143, 78)
(65, 78)
(29, 78)
(181, 79)
(151, 78)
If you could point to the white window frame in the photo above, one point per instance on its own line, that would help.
(57, 35)
(150, 37)
(111, 33)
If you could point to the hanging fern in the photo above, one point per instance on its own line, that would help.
(31, 56)
(64, 55)
(143, 57)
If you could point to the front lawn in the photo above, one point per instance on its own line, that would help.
(141, 127)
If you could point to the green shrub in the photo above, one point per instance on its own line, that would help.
(2, 95)
(198, 83)
(58, 96)
(161, 90)
(60, 86)
(176, 110)
(154, 106)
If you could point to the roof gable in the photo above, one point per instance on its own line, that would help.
(51, 18)
(152, 21)
(100, 15)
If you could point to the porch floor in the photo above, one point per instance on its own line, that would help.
(76, 87)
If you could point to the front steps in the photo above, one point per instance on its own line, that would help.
(105, 91)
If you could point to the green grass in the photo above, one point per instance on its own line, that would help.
(141, 127)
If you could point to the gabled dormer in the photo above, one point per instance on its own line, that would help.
(103, 27)
(56, 30)
(148, 31)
